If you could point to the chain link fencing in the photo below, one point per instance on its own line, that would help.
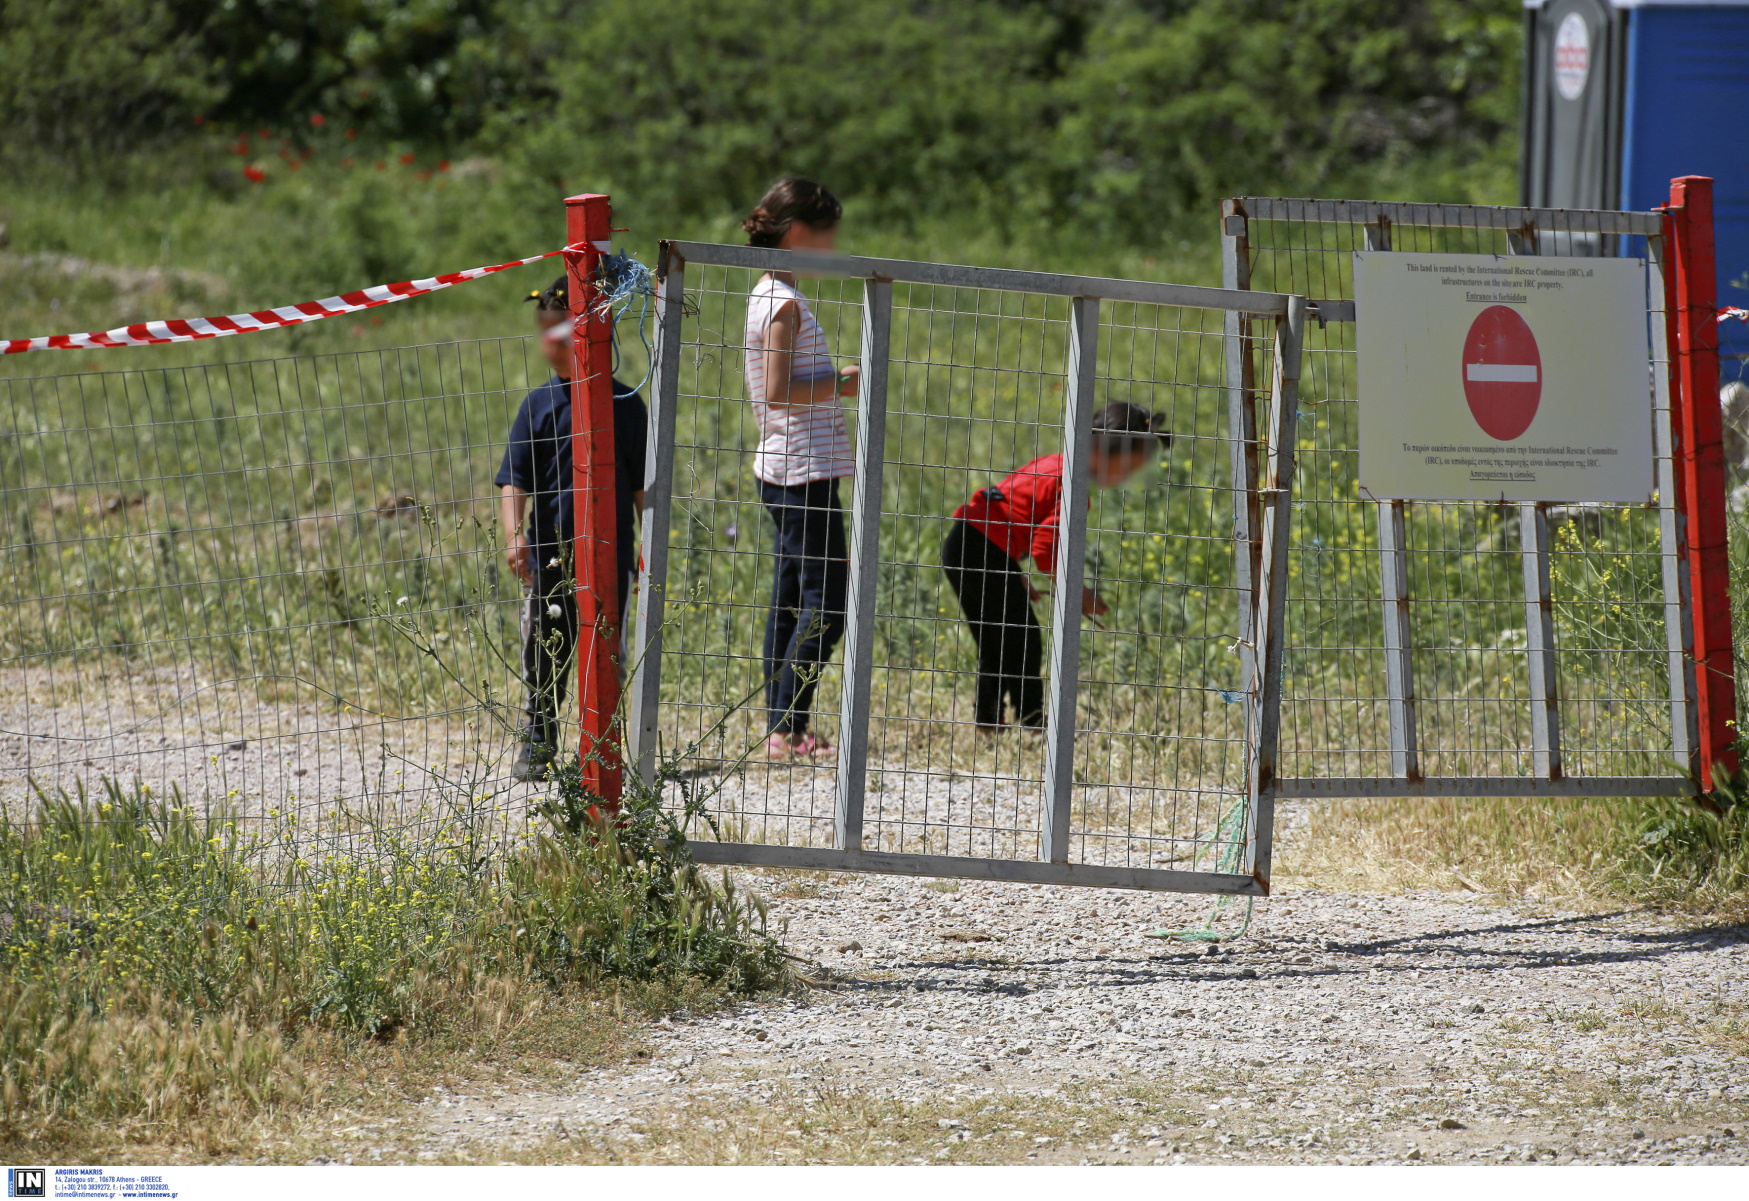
(1464, 648)
(275, 585)
(1139, 774)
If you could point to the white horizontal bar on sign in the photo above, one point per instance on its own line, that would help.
(1460, 216)
(993, 279)
(1484, 786)
(1500, 373)
(1028, 871)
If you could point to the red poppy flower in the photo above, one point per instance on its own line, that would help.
(443, 165)
(318, 120)
(254, 174)
(406, 160)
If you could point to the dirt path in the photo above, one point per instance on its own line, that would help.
(1012, 1023)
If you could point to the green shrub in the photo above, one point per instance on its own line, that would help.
(1678, 850)
(154, 956)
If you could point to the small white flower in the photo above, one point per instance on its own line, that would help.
(402, 601)
(553, 562)
(555, 612)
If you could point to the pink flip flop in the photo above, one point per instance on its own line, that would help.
(780, 747)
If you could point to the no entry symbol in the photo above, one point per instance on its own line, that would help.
(1503, 373)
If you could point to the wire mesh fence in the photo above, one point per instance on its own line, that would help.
(1734, 407)
(277, 584)
(976, 383)
(1418, 655)
(271, 585)
(276, 587)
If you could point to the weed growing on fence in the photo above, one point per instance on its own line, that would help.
(159, 962)
(1684, 853)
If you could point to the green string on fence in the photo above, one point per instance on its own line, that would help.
(1229, 831)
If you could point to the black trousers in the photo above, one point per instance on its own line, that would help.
(549, 648)
(808, 591)
(991, 589)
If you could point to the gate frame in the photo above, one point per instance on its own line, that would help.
(1690, 473)
(1084, 293)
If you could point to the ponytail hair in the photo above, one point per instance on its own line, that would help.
(786, 202)
(554, 298)
(1121, 426)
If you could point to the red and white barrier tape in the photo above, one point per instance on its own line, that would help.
(189, 329)
(1731, 313)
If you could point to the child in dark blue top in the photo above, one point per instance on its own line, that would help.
(535, 507)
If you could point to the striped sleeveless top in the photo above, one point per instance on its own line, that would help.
(798, 444)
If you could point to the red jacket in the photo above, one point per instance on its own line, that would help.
(1021, 515)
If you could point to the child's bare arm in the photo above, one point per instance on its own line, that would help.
(512, 503)
(781, 386)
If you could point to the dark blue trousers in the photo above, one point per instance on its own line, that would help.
(808, 591)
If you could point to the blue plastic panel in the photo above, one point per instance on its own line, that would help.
(1687, 113)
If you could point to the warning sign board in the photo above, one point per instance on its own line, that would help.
(1503, 378)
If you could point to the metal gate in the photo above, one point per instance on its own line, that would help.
(1148, 773)
(1464, 649)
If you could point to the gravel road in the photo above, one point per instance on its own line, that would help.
(1002, 1022)
(984, 1022)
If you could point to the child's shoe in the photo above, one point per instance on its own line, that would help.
(810, 746)
(780, 747)
(531, 762)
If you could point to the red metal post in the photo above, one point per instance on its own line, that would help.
(588, 230)
(1692, 305)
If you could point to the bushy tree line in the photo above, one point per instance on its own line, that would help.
(1111, 113)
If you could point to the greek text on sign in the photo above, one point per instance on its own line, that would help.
(1490, 378)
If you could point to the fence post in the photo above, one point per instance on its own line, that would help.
(865, 538)
(1672, 558)
(1271, 623)
(1539, 642)
(588, 233)
(646, 694)
(1399, 640)
(1070, 571)
(1242, 446)
(1692, 303)
(1394, 589)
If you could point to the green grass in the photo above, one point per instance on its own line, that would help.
(161, 963)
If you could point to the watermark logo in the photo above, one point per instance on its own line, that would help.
(27, 1182)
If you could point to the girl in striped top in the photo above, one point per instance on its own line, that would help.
(804, 450)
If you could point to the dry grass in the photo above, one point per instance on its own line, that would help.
(213, 1090)
(1608, 850)
(1512, 846)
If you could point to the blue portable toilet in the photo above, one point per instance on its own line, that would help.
(1621, 96)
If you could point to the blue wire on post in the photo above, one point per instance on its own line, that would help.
(626, 283)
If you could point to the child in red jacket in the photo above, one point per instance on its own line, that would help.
(1001, 526)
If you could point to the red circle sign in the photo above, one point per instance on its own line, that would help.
(1503, 373)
